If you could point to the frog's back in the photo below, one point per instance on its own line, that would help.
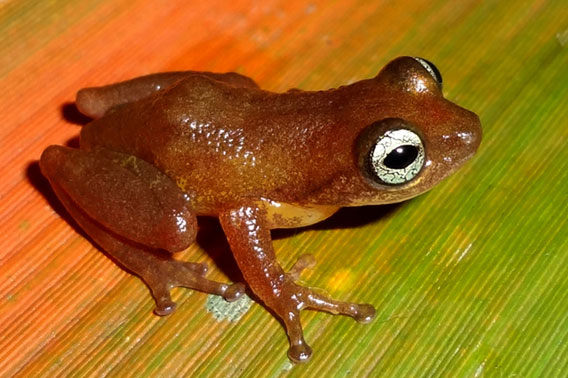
(221, 143)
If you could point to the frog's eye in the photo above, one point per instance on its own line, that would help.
(397, 157)
(432, 70)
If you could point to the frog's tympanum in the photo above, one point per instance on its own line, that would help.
(165, 148)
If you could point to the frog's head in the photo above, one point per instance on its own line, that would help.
(410, 137)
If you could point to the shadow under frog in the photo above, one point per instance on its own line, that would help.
(165, 148)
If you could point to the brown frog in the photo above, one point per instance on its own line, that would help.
(165, 148)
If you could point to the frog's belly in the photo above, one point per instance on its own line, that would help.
(285, 215)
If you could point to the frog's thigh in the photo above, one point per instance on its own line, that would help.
(126, 195)
(75, 177)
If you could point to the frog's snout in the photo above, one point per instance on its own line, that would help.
(461, 143)
(470, 137)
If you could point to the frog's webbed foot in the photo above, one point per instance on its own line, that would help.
(167, 274)
(134, 233)
(248, 234)
(306, 298)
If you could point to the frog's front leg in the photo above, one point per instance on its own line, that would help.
(134, 212)
(248, 234)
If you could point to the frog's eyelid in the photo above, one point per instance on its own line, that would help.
(432, 70)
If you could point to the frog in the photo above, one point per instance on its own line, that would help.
(166, 148)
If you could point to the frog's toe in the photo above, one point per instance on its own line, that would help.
(199, 268)
(304, 262)
(165, 308)
(361, 312)
(364, 313)
(162, 298)
(300, 352)
(233, 292)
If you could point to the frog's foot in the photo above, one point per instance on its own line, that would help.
(299, 297)
(167, 274)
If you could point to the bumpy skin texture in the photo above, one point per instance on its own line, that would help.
(168, 147)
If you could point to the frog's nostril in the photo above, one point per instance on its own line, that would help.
(51, 159)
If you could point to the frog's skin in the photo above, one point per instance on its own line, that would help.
(165, 148)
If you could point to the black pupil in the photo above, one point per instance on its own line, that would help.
(401, 157)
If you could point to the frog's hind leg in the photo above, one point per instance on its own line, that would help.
(96, 101)
(132, 210)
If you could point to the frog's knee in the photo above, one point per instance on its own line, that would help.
(51, 160)
(91, 102)
(176, 232)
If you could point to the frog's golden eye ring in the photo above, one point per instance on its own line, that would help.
(397, 157)
(432, 70)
